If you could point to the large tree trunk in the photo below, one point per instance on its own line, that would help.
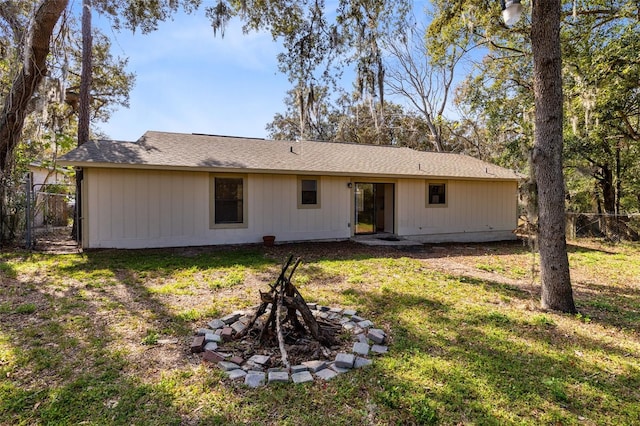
(84, 112)
(547, 156)
(28, 78)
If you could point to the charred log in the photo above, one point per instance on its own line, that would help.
(288, 316)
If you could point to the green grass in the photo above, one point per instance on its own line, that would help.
(26, 308)
(80, 339)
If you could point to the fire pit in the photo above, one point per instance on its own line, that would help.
(285, 339)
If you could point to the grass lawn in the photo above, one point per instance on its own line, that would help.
(103, 337)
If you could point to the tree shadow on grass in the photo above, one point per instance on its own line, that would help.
(449, 366)
(574, 247)
(492, 368)
(609, 305)
(63, 368)
(103, 398)
(80, 356)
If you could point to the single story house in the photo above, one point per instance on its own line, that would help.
(170, 189)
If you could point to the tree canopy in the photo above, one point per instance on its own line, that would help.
(40, 61)
(600, 80)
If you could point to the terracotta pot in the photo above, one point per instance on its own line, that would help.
(268, 240)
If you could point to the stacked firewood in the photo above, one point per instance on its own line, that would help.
(285, 306)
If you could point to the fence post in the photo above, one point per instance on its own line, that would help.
(28, 184)
(571, 226)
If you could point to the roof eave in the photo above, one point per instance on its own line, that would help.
(423, 175)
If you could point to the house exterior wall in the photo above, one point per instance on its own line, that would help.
(127, 208)
(475, 211)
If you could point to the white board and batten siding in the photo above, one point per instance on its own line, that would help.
(127, 208)
(273, 209)
(475, 211)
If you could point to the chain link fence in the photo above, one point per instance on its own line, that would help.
(30, 212)
(613, 227)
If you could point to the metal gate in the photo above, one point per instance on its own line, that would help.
(30, 211)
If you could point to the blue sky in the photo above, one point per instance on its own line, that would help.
(189, 81)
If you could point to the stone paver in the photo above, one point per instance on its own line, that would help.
(197, 344)
(212, 356)
(326, 374)
(212, 337)
(362, 338)
(302, 377)
(315, 366)
(236, 360)
(231, 318)
(253, 366)
(344, 360)
(356, 318)
(349, 325)
(360, 348)
(349, 312)
(228, 366)
(298, 369)
(379, 349)
(278, 376)
(203, 331)
(211, 346)
(238, 326)
(339, 370)
(226, 333)
(253, 379)
(362, 362)
(357, 330)
(259, 359)
(376, 334)
(365, 324)
(236, 374)
(216, 324)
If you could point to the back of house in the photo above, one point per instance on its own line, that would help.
(170, 189)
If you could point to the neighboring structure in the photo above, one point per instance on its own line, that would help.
(169, 189)
(51, 187)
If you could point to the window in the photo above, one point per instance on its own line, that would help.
(229, 207)
(436, 194)
(308, 192)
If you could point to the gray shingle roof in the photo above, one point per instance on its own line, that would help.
(177, 151)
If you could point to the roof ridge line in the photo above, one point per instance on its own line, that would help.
(226, 136)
